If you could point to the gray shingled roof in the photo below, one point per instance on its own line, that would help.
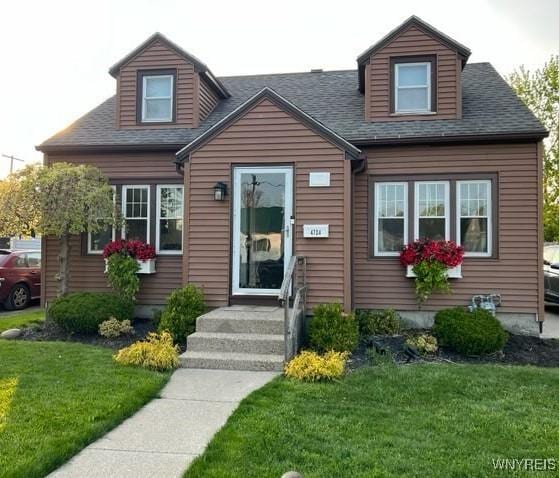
(490, 108)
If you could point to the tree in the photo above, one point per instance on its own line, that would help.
(19, 213)
(59, 200)
(540, 92)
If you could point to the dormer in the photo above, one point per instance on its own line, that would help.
(413, 73)
(160, 85)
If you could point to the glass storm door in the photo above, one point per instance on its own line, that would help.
(262, 242)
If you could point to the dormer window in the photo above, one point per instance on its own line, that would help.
(157, 96)
(413, 85)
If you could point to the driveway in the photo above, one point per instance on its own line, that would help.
(8, 313)
(551, 324)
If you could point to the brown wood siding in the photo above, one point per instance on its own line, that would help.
(266, 135)
(157, 57)
(412, 42)
(86, 273)
(208, 100)
(87, 270)
(515, 273)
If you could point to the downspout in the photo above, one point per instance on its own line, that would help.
(360, 167)
(179, 165)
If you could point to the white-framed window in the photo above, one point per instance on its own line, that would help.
(169, 229)
(474, 222)
(390, 217)
(136, 213)
(412, 87)
(96, 241)
(157, 98)
(432, 210)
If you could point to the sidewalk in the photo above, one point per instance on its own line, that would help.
(163, 438)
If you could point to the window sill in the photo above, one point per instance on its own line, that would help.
(414, 113)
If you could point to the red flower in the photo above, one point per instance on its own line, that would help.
(137, 249)
(446, 252)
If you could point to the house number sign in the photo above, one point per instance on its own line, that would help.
(315, 231)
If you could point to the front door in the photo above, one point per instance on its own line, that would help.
(262, 236)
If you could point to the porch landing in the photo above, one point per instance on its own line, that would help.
(239, 337)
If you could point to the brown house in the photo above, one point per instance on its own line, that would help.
(341, 167)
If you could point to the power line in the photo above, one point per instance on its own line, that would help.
(12, 159)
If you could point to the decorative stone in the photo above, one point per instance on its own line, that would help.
(11, 334)
(292, 474)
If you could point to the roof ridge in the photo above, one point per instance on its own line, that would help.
(289, 73)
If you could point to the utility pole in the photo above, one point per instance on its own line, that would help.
(12, 159)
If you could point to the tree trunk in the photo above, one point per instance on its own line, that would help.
(63, 265)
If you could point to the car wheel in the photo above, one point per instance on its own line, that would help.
(19, 298)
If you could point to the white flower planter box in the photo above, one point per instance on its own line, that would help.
(146, 267)
(454, 273)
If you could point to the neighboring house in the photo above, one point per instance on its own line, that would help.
(414, 142)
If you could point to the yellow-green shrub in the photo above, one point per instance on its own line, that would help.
(312, 367)
(424, 344)
(157, 352)
(115, 328)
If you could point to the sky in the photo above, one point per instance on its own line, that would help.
(55, 54)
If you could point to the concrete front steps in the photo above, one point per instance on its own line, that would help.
(237, 338)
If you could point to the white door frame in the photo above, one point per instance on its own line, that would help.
(236, 231)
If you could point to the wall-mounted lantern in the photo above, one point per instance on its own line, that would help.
(220, 190)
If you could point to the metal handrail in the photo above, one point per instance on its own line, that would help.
(292, 322)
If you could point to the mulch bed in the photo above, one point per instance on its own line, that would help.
(51, 332)
(519, 350)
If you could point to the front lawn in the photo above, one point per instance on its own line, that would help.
(428, 420)
(21, 319)
(55, 398)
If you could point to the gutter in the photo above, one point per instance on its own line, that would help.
(442, 138)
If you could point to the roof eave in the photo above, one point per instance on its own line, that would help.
(442, 138)
(96, 148)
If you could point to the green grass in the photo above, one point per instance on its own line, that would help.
(428, 420)
(55, 398)
(22, 319)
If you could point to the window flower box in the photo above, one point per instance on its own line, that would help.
(452, 273)
(146, 267)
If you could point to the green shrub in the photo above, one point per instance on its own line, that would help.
(122, 275)
(179, 316)
(378, 322)
(83, 312)
(332, 329)
(113, 328)
(157, 352)
(469, 333)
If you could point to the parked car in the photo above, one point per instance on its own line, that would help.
(551, 272)
(20, 278)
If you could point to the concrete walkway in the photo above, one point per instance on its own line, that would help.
(163, 438)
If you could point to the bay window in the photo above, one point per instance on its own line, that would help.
(474, 217)
(135, 209)
(391, 224)
(169, 219)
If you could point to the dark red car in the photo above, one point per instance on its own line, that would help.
(20, 278)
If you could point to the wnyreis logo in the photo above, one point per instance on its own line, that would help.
(525, 464)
